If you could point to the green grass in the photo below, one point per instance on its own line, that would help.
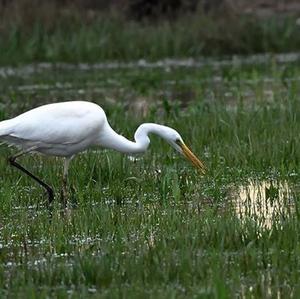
(74, 38)
(154, 228)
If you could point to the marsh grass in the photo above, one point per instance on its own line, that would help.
(72, 37)
(153, 227)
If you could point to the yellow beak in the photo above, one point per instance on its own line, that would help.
(190, 156)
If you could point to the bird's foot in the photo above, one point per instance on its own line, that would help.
(50, 193)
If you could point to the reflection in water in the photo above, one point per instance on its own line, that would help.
(263, 201)
(166, 63)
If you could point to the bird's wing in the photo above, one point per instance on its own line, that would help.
(61, 123)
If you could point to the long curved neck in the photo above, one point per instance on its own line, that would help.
(110, 139)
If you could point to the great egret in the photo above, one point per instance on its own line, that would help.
(64, 129)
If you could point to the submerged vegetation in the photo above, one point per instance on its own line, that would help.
(152, 227)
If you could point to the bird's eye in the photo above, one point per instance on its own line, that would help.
(178, 141)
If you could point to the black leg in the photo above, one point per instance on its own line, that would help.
(12, 161)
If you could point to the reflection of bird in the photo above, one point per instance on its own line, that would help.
(64, 129)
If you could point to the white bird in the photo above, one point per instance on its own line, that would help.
(67, 128)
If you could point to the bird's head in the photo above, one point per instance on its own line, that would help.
(175, 140)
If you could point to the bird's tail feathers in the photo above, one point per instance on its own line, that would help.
(5, 128)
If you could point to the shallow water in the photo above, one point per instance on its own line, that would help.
(167, 63)
(264, 202)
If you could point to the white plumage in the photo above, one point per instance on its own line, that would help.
(64, 129)
(60, 129)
